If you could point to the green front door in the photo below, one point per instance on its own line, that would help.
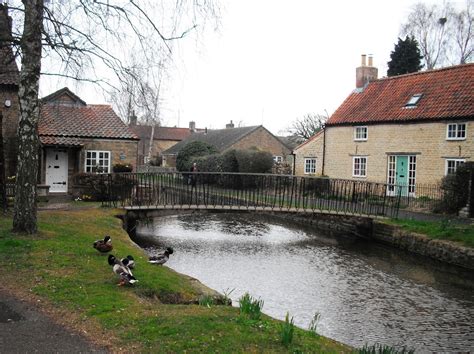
(402, 174)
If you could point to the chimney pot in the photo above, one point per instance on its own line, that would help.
(192, 126)
(364, 73)
(363, 62)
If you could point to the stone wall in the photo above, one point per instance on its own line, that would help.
(441, 250)
(425, 140)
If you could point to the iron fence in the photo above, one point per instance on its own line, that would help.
(249, 191)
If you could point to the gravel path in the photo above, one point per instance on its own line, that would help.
(24, 329)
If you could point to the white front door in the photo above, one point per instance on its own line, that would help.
(56, 170)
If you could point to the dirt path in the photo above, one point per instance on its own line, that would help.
(25, 329)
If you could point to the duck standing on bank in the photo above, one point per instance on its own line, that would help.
(129, 262)
(161, 258)
(103, 246)
(125, 274)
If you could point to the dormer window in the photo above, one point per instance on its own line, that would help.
(413, 101)
(360, 133)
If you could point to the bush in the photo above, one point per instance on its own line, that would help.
(455, 189)
(119, 167)
(252, 161)
(93, 185)
(229, 161)
(191, 152)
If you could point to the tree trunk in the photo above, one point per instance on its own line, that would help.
(24, 220)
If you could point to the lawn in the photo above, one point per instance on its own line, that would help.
(60, 268)
(442, 230)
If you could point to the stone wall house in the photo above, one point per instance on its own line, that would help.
(309, 156)
(163, 138)
(408, 129)
(76, 137)
(234, 138)
(9, 105)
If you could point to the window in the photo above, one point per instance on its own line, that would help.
(452, 165)
(413, 101)
(277, 159)
(97, 161)
(310, 165)
(456, 131)
(360, 133)
(359, 167)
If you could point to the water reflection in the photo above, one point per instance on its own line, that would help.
(365, 293)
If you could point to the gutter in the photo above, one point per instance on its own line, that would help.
(324, 150)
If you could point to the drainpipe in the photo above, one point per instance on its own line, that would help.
(324, 149)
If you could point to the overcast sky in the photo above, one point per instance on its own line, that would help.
(273, 61)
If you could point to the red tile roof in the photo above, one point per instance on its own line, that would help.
(447, 93)
(60, 140)
(93, 121)
(161, 133)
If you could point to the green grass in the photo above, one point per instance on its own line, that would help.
(250, 306)
(442, 230)
(60, 267)
(287, 330)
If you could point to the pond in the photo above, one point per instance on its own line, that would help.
(365, 293)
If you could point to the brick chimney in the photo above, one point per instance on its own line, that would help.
(192, 126)
(366, 73)
(229, 125)
(5, 24)
(133, 119)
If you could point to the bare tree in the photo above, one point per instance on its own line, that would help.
(86, 40)
(463, 33)
(444, 34)
(304, 128)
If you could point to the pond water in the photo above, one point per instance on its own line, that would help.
(365, 293)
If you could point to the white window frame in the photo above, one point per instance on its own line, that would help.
(310, 162)
(457, 163)
(277, 159)
(361, 133)
(359, 172)
(457, 131)
(89, 167)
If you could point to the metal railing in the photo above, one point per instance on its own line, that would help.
(248, 191)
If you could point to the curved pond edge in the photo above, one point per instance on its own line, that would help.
(347, 226)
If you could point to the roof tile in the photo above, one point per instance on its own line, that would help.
(95, 121)
(447, 93)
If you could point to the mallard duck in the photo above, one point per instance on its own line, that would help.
(161, 258)
(128, 261)
(126, 276)
(104, 245)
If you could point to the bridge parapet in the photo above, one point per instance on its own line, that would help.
(209, 190)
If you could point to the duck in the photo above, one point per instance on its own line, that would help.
(128, 261)
(162, 257)
(103, 246)
(126, 275)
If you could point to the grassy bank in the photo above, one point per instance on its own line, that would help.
(60, 268)
(442, 230)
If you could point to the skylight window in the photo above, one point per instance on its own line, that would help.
(413, 101)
